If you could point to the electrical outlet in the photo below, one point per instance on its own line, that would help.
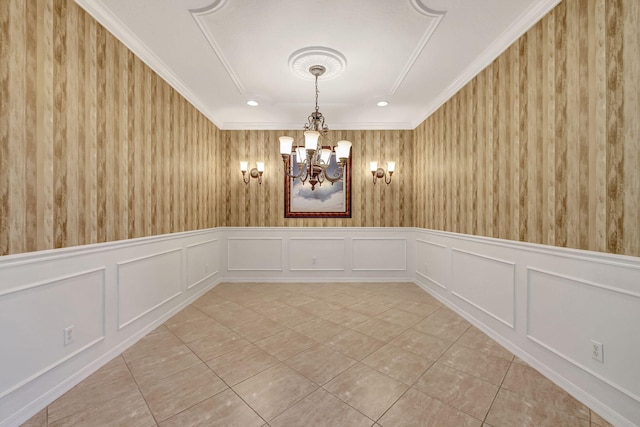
(68, 334)
(597, 351)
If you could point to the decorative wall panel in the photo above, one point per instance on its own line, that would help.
(543, 145)
(605, 313)
(33, 318)
(202, 262)
(317, 253)
(485, 282)
(379, 254)
(432, 262)
(94, 146)
(146, 283)
(254, 254)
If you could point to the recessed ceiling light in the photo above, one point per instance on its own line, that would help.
(383, 103)
(252, 103)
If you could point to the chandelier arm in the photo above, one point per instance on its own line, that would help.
(334, 178)
(288, 168)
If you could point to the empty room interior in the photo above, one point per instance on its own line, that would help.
(336, 213)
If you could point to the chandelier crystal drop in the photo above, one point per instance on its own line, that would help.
(313, 156)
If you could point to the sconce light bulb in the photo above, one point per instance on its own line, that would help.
(244, 166)
(391, 166)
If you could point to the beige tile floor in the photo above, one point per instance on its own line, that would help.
(366, 354)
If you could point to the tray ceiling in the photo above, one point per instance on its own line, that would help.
(414, 54)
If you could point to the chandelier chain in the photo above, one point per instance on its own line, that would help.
(317, 91)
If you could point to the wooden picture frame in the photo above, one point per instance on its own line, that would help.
(325, 201)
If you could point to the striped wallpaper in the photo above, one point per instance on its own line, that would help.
(94, 146)
(372, 206)
(542, 146)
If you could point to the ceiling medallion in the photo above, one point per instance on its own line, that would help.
(303, 59)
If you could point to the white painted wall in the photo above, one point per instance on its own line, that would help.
(543, 303)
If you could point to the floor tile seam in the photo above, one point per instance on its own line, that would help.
(157, 380)
(140, 391)
(392, 405)
(346, 403)
(197, 403)
(486, 352)
(391, 339)
(249, 377)
(531, 398)
(469, 374)
(101, 405)
(292, 404)
(328, 381)
(190, 406)
(454, 408)
(439, 399)
(493, 401)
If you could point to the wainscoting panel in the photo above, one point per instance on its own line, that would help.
(146, 283)
(546, 305)
(33, 319)
(255, 254)
(383, 254)
(432, 262)
(202, 262)
(317, 254)
(604, 314)
(97, 290)
(484, 282)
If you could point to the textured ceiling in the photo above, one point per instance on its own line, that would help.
(414, 54)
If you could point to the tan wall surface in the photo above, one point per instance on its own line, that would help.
(372, 206)
(94, 146)
(543, 146)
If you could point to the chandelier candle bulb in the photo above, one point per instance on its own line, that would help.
(325, 156)
(286, 142)
(311, 140)
(300, 154)
(342, 150)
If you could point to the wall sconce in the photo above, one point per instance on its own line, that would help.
(253, 173)
(379, 173)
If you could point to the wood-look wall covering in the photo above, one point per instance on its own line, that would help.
(543, 146)
(94, 146)
(372, 206)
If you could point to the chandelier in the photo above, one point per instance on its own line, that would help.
(314, 156)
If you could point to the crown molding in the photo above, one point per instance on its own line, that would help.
(520, 26)
(334, 126)
(120, 31)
